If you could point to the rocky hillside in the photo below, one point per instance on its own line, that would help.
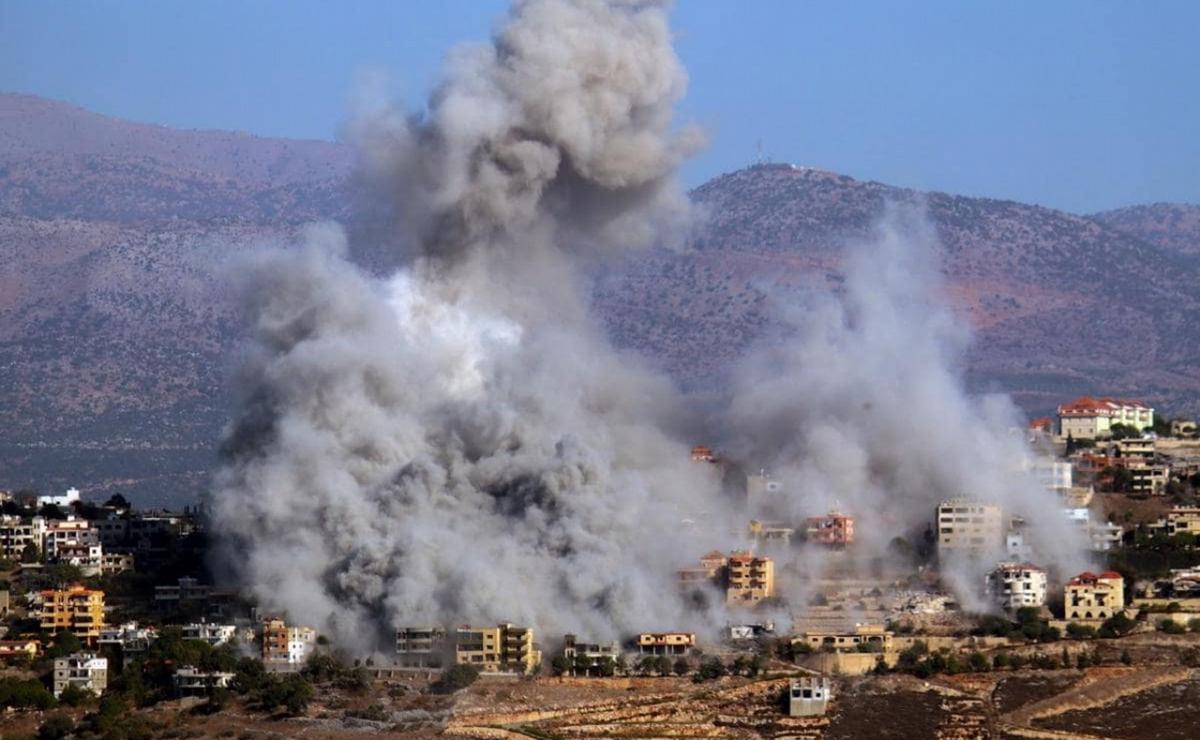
(116, 335)
(1060, 304)
(1175, 226)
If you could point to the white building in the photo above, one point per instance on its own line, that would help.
(213, 634)
(83, 670)
(1051, 474)
(130, 637)
(809, 696)
(1016, 585)
(1093, 418)
(69, 531)
(70, 497)
(191, 681)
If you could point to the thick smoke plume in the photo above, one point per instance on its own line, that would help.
(459, 443)
(859, 403)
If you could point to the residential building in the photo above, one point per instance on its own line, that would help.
(835, 529)
(1093, 418)
(504, 648)
(76, 609)
(16, 534)
(750, 631)
(700, 453)
(88, 558)
(749, 579)
(70, 497)
(808, 696)
(1052, 474)
(112, 563)
(213, 634)
(4, 603)
(589, 653)
(422, 647)
(1183, 428)
(711, 570)
(191, 681)
(19, 650)
(284, 644)
(1089, 597)
(85, 671)
(969, 527)
(70, 532)
(765, 534)
(1183, 520)
(187, 592)
(666, 643)
(865, 638)
(1016, 585)
(130, 637)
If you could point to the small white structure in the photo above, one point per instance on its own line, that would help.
(750, 631)
(70, 497)
(191, 681)
(83, 670)
(1016, 585)
(809, 696)
(213, 634)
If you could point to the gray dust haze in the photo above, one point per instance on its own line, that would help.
(460, 443)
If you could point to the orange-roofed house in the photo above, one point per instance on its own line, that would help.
(1093, 418)
(1094, 597)
(700, 453)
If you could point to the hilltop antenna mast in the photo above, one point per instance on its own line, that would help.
(760, 159)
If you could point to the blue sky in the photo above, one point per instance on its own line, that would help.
(1082, 105)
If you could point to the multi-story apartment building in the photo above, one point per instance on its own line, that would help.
(835, 529)
(969, 527)
(1183, 520)
(75, 609)
(503, 648)
(283, 644)
(1089, 597)
(666, 643)
(749, 579)
(68, 533)
(85, 671)
(1093, 418)
(422, 647)
(766, 534)
(16, 534)
(1016, 585)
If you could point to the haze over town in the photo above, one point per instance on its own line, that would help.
(495, 404)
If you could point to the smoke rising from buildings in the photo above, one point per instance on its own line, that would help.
(459, 442)
(859, 403)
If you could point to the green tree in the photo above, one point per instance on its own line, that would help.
(559, 665)
(73, 696)
(663, 665)
(455, 678)
(681, 666)
(1126, 658)
(978, 662)
(710, 669)
(1077, 631)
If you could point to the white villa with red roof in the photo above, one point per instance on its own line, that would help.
(1093, 418)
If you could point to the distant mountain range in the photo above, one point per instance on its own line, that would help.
(116, 335)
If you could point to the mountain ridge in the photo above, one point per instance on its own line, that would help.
(116, 333)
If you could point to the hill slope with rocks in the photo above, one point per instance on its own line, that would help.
(116, 333)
